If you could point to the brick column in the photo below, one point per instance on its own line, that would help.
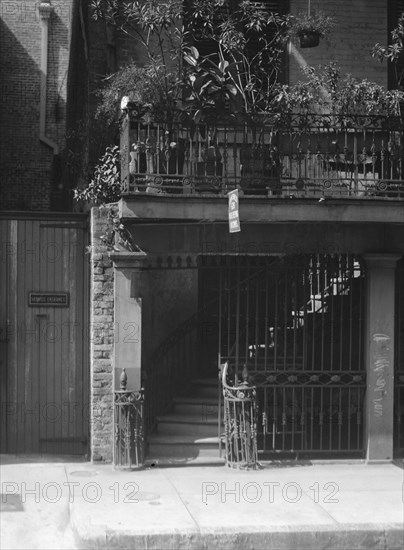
(128, 318)
(115, 331)
(101, 336)
(379, 356)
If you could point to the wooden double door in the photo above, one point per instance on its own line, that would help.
(44, 334)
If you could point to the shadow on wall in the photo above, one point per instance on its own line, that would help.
(77, 112)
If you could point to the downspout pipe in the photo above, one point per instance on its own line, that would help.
(45, 12)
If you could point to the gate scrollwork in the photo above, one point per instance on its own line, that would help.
(240, 420)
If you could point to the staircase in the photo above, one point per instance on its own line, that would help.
(189, 432)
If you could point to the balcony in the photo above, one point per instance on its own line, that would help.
(274, 156)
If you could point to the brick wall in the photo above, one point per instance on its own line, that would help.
(101, 349)
(359, 25)
(25, 162)
(108, 51)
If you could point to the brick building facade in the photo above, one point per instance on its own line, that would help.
(48, 141)
(39, 172)
(34, 38)
(180, 233)
(359, 26)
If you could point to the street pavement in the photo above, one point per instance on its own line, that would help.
(285, 505)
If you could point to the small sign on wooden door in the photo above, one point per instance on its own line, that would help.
(55, 299)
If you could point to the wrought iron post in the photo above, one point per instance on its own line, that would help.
(129, 448)
(240, 419)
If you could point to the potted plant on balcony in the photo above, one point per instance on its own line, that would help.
(393, 53)
(309, 28)
(246, 42)
(149, 94)
(358, 114)
(238, 80)
(338, 98)
(224, 53)
(223, 62)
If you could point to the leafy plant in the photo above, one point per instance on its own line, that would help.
(116, 233)
(246, 62)
(325, 91)
(316, 23)
(245, 40)
(149, 88)
(105, 189)
(105, 186)
(154, 26)
(394, 52)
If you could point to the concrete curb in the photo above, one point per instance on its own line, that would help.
(354, 537)
(170, 511)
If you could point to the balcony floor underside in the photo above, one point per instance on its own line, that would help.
(213, 208)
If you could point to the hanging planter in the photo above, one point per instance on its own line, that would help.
(309, 39)
(309, 28)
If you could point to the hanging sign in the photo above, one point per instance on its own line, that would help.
(234, 214)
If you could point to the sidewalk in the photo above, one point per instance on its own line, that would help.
(284, 506)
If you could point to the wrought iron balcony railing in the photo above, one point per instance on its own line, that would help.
(270, 156)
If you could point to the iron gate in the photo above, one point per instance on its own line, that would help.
(295, 323)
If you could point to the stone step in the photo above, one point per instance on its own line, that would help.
(205, 387)
(182, 447)
(271, 365)
(203, 406)
(175, 424)
(205, 382)
(178, 461)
